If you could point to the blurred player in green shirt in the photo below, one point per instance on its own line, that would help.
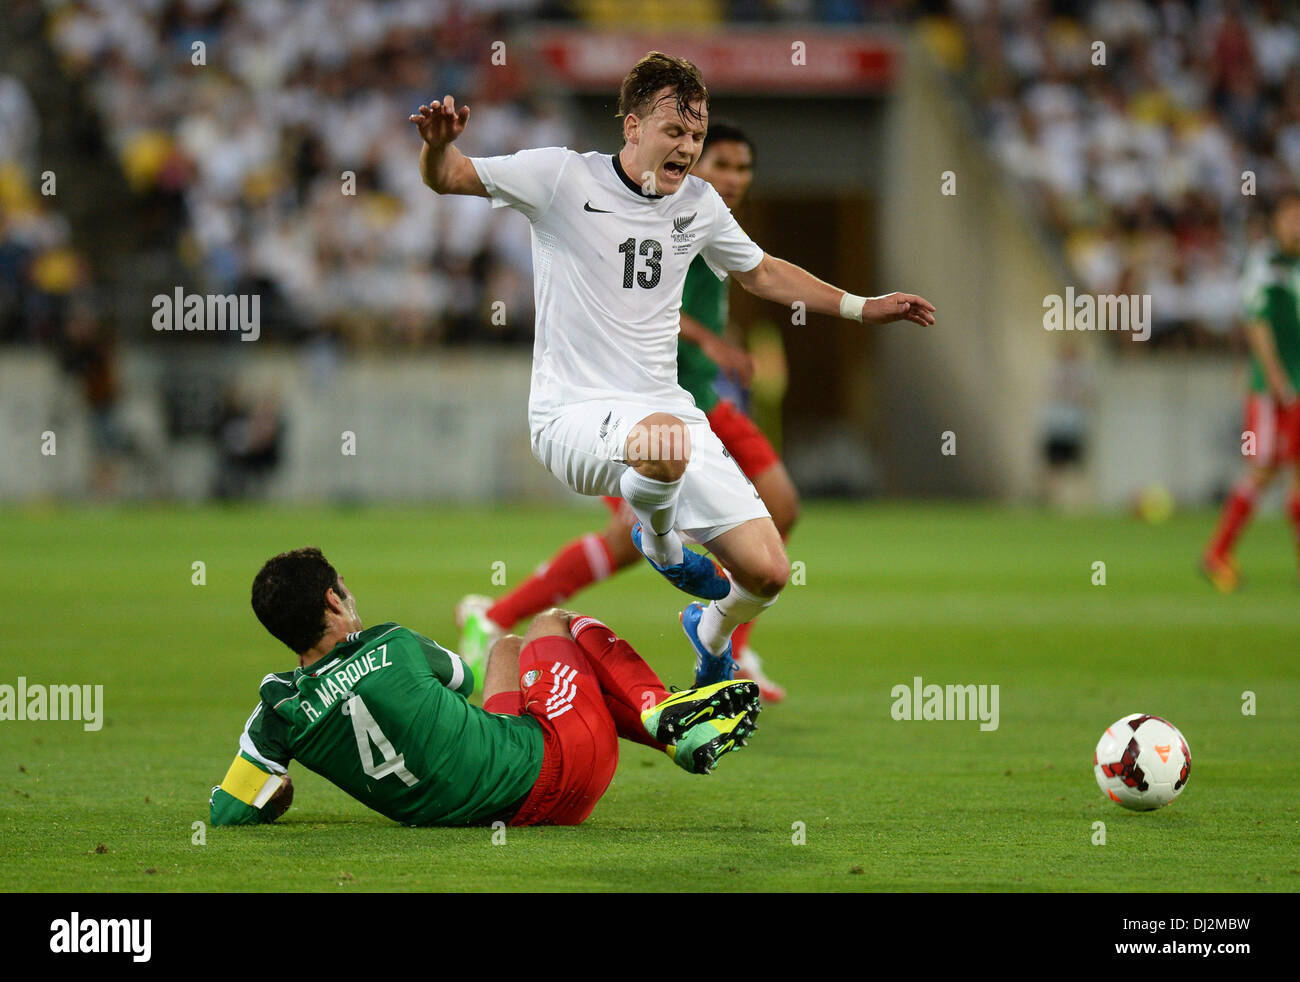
(704, 356)
(381, 713)
(1271, 434)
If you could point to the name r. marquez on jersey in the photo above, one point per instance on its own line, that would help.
(338, 683)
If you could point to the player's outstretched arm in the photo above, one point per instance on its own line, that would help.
(785, 283)
(442, 166)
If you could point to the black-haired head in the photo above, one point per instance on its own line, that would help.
(289, 596)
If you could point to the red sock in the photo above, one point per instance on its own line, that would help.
(628, 723)
(580, 563)
(1293, 509)
(629, 685)
(1236, 513)
(740, 638)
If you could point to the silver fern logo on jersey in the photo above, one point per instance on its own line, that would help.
(682, 239)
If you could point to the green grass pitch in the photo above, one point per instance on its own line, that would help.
(954, 594)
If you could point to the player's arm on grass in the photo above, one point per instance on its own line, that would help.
(731, 358)
(1260, 338)
(446, 666)
(784, 283)
(248, 795)
(257, 787)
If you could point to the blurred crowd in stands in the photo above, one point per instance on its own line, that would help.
(282, 128)
(1149, 135)
(1146, 134)
(39, 267)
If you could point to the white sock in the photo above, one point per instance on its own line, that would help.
(723, 616)
(655, 504)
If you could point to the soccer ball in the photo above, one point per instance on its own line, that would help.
(1142, 762)
(1154, 504)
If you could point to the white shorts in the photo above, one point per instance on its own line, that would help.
(585, 447)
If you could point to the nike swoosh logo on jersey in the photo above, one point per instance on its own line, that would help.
(603, 211)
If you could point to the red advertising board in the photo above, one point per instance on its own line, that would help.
(791, 61)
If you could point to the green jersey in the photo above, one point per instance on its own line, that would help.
(704, 297)
(384, 717)
(1272, 294)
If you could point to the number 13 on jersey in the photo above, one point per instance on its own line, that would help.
(652, 251)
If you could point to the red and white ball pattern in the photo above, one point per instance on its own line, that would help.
(1142, 762)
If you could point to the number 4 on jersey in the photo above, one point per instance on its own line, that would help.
(367, 732)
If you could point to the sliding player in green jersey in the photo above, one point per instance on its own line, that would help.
(704, 357)
(382, 714)
(1271, 432)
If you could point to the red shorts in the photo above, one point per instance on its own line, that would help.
(1276, 428)
(579, 740)
(619, 508)
(750, 449)
(742, 439)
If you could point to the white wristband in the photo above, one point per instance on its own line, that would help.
(851, 307)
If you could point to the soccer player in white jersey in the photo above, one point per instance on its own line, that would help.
(613, 236)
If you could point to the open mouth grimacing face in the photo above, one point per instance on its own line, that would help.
(679, 139)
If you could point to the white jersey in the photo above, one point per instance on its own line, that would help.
(609, 264)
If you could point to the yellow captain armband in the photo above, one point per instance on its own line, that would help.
(249, 783)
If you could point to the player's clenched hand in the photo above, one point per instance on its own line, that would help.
(733, 360)
(559, 613)
(898, 307)
(441, 122)
(280, 801)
